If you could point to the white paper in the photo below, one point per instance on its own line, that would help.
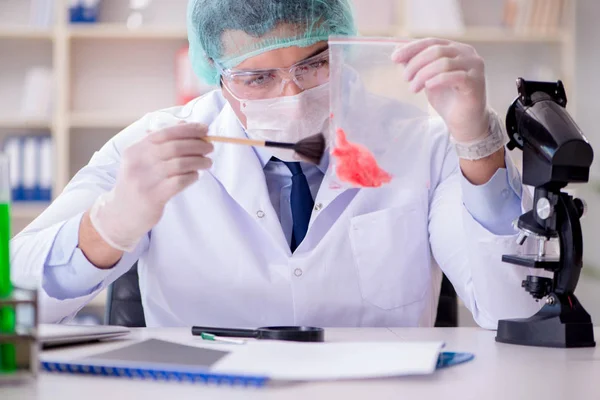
(331, 361)
(30, 164)
(37, 93)
(434, 16)
(370, 19)
(41, 13)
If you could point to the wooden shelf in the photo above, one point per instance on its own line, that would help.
(118, 31)
(104, 120)
(24, 210)
(25, 123)
(25, 32)
(499, 35)
(493, 35)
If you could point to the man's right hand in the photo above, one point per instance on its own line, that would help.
(152, 171)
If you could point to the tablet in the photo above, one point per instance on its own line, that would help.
(60, 334)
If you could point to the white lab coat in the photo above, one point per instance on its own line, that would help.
(370, 257)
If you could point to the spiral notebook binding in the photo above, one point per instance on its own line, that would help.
(206, 378)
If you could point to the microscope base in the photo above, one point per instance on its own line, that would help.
(548, 328)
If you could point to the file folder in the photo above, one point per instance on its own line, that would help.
(46, 170)
(14, 150)
(30, 168)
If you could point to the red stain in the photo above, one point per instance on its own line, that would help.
(331, 115)
(356, 164)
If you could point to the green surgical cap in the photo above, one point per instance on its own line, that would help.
(230, 31)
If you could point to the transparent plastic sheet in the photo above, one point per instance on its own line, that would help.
(373, 105)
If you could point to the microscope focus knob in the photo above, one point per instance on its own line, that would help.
(581, 207)
(538, 286)
(543, 208)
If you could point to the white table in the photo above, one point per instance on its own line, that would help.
(499, 371)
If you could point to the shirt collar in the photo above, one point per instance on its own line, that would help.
(263, 155)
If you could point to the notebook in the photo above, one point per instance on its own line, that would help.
(51, 335)
(157, 360)
(256, 363)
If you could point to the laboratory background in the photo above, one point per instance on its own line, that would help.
(74, 73)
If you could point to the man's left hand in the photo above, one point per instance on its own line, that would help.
(453, 76)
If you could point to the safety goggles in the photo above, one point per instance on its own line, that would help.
(270, 83)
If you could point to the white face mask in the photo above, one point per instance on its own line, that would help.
(287, 119)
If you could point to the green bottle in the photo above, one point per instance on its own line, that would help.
(8, 360)
(5, 283)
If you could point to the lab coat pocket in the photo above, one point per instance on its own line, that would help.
(391, 256)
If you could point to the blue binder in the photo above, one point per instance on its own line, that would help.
(13, 148)
(45, 168)
(84, 11)
(31, 167)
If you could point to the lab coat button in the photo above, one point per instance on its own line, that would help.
(298, 272)
(318, 206)
(260, 214)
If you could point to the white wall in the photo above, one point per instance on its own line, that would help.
(588, 113)
(588, 73)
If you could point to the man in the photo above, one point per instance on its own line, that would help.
(235, 236)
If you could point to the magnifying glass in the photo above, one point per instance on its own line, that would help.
(290, 333)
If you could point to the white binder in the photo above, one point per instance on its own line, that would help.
(30, 168)
(45, 166)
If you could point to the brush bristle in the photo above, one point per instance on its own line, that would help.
(312, 148)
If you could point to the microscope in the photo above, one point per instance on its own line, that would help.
(555, 153)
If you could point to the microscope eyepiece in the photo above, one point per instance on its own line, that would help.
(555, 151)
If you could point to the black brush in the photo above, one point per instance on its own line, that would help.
(310, 149)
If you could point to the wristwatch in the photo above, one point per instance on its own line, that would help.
(494, 141)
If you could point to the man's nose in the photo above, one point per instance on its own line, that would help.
(290, 88)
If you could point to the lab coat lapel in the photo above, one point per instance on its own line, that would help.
(330, 190)
(331, 201)
(239, 170)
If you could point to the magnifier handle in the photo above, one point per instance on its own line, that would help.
(225, 332)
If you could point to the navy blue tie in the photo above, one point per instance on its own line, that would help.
(302, 204)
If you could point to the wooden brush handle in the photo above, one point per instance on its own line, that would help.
(248, 142)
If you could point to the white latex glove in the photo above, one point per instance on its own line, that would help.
(453, 76)
(152, 171)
